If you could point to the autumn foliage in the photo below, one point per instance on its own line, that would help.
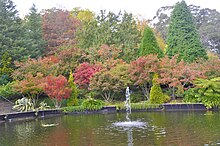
(57, 89)
(31, 87)
(177, 75)
(59, 29)
(141, 72)
(46, 66)
(84, 73)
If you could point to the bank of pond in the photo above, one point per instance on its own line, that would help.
(135, 107)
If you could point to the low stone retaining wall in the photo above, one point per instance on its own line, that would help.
(106, 109)
(32, 114)
(183, 107)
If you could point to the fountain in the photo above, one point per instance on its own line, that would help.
(128, 104)
(128, 125)
(129, 122)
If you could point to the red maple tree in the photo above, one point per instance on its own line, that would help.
(57, 89)
(141, 72)
(83, 74)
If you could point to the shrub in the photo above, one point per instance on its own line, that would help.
(207, 91)
(24, 104)
(43, 106)
(136, 97)
(92, 104)
(189, 95)
(72, 100)
(166, 98)
(7, 91)
(144, 106)
(156, 93)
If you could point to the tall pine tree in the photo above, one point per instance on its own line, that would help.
(34, 34)
(149, 44)
(183, 38)
(11, 31)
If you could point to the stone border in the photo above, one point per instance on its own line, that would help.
(106, 109)
(183, 107)
(31, 114)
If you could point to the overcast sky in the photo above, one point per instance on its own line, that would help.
(146, 8)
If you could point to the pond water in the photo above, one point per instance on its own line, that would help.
(156, 128)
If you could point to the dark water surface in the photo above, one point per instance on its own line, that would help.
(161, 128)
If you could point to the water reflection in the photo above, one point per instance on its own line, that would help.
(130, 137)
(173, 128)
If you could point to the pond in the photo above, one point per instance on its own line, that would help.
(159, 128)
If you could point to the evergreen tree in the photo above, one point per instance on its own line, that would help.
(183, 38)
(34, 34)
(118, 30)
(72, 100)
(149, 44)
(156, 93)
(11, 31)
(6, 68)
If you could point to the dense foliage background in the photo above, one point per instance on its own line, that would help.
(78, 54)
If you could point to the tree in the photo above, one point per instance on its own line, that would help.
(177, 75)
(46, 66)
(141, 71)
(34, 34)
(11, 31)
(57, 89)
(69, 59)
(156, 93)
(149, 44)
(31, 86)
(206, 21)
(183, 38)
(73, 100)
(6, 69)
(59, 29)
(108, 82)
(83, 74)
(210, 67)
(110, 29)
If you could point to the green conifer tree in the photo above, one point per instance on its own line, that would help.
(6, 68)
(34, 34)
(72, 100)
(156, 93)
(11, 31)
(149, 44)
(183, 38)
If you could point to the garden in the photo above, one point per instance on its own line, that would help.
(87, 61)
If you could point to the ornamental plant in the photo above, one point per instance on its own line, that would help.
(57, 89)
(72, 100)
(156, 93)
(141, 71)
(207, 91)
(83, 74)
(31, 87)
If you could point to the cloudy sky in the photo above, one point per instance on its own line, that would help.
(145, 8)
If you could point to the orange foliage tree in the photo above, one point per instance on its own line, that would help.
(141, 71)
(57, 89)
(177, 75)
(31, 87)
(46, 66)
